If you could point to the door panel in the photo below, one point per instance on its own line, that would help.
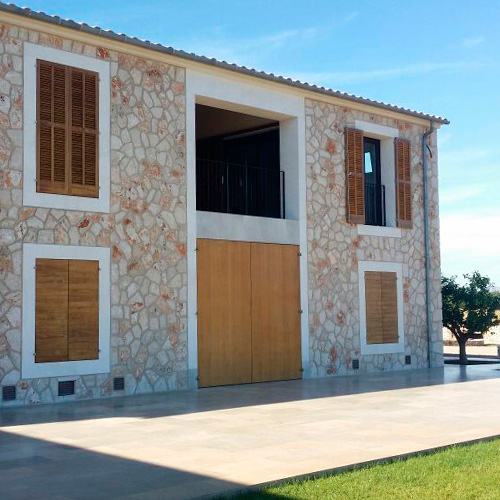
(224, 319)
(275, 312)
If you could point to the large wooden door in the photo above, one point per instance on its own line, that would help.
(224, 314)
(275, 312)
(248, 312)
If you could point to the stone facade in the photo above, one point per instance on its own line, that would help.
(145, 229)
(335, 248)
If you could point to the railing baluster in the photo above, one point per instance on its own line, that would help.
(264, 197)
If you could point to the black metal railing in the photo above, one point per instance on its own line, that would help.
(239, 189)
(374, 204)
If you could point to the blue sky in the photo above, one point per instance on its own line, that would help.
(439, 57)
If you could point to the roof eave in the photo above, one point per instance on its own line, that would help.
(82, 27)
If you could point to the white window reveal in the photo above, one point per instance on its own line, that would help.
(379, 180)
(66, 152)
(69, 327)
(381, 307)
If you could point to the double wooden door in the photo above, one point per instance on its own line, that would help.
(248, 312)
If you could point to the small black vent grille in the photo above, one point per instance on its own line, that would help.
(355, 364)
(66, 388)
(408, 360)
(9, 393)
(118, 383)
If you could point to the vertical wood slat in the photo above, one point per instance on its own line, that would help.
(224, 317)
(67, 130)
(51, 310)
(51, 128)
(389, 300)
(402, 151)
(84, 133)
(381, 307)
(354, 159)
(373, 300)
(276, 350)
(83, 310)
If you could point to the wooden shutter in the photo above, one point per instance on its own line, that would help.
(402, 152)
(354, 176)
(373, 298)
(83, 310)
(51, 128)
(51, 310)
(389, 302)
(67, 130)
(84, 133)
(381, 307)
(66, 310)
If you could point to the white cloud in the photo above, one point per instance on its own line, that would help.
(468, 43)
(250, 51)
(343, 77)
(455, 194)
(350, 17)
(470, 241)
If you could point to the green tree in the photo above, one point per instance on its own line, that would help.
(469, 310)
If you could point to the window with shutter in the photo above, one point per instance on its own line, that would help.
(67, 130)
(354, 176)
(402, 152)
(381, 307)
(66, 310)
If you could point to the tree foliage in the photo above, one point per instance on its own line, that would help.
(469, 310)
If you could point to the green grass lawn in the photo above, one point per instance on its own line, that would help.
(459, 473)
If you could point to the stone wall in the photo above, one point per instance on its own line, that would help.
(334, 249)
(145, 229)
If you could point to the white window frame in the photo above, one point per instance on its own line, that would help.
(388, 267)
(29, 368)
(386, 136)
(31, 197)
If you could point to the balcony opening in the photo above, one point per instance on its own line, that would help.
(375, 214)
(238, 164)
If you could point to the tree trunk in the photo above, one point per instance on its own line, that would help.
(463, 355)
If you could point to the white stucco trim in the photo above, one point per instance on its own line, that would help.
(236, 95)
(393, 267)
(376, 130)
(29, 368)
(220, 226)
(32, 52)
(382, 231)
(386, 137)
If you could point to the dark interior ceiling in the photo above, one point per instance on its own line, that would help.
(212, 122)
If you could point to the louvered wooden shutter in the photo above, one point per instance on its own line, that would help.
(51, 310)
(354, 176)
(402, 151)
(389, 302)
(66, 310)
(84, 133)
(381, 307)
(67, 130)
(51, 128)
(373, 298)
(83, 310)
